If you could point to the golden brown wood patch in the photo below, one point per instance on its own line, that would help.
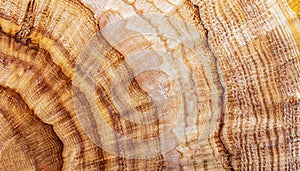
(149, 85)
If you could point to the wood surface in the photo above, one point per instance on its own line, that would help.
(190, 84)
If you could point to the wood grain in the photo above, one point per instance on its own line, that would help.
(241, 60)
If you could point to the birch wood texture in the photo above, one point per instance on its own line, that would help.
(237, 73)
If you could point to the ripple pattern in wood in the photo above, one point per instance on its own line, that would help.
(236, 83)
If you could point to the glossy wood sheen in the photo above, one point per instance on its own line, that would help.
(241, 82)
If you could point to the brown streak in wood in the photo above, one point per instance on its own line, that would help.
(221, 124)
(27, 25)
